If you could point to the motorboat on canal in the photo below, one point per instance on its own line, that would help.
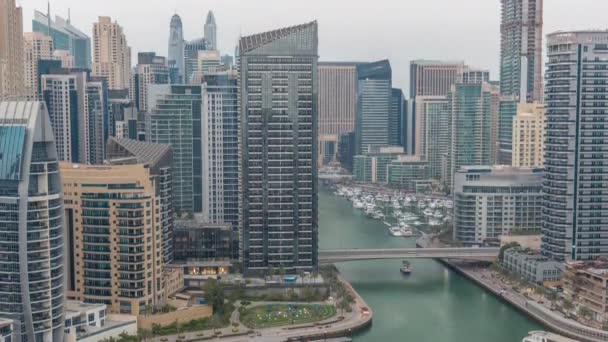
(405, 267)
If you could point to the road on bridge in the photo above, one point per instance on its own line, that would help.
(353, 254)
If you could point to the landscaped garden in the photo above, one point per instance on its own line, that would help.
(273, 315)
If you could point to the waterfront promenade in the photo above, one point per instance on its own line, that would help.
(539, 312)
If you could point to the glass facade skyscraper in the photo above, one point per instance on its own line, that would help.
(31, 223)
(575, 223)
(175, 120)
(220, 137)
(278, 96)
(65, 37)
(397, 119)
(374, 93)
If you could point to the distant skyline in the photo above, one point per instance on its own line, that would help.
(401, 31)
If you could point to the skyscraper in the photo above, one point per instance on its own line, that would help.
(278, 97)
(78, 110)
(31, 216)
(11, 50)
(521, 31)
(65, 37)
(337, 103)
(114, 236)
(471, 132)
(220, 147)
(434, 118)
(191, 50)
(374, 92)
(397, 118)
(207, 61)
(150, 69)
(520, 64)
(211, 31)
(574, 184)
(37, 46)
(175, 120)
(433, 78)
(111, 54)
(176, 45)
(529, 135)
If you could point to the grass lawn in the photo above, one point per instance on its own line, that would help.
(274, 315)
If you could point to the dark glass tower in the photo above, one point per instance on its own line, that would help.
(278, 80)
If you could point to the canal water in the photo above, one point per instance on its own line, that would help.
(432, 304)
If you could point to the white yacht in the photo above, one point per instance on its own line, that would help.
(395, 231)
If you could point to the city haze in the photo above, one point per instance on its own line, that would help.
(348, 29)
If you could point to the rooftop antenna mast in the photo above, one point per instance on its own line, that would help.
(48, 17)
(69, 16)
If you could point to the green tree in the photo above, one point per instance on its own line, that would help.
(567, 305)
(585, 312)
(216, 322)
(605, 325)
(282, 272)
(214, 295)
(270, 271)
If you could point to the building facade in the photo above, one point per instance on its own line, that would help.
(278, 97)
(474, 110)
(211, 31)
(372, 167)
(12, 80)
(36, 46)
(407, 172)
(521, 34)
(490, 201)
(111, 54)
(65, 37)
(114, 236)
(529, 136)
(433, 78)
(220, 139)
(337, 102)
(574, 222)
(176, 46)
(586, 284)
(175, 116)
(150, 69)
(31, 223)
(374, 92)
(532, 267)
(347, 149)
(433, 134)
(159, 159)
(397, 118)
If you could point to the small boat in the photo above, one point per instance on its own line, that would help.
(395, 231)
(405, 267)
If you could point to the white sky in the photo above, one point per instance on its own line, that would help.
(400, 30)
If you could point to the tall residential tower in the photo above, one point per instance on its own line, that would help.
(176, 45)
(111, 54)
(31, 223)
(278, 98)
(575, 184)
(12, 81)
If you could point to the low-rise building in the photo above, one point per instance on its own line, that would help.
(406, 172)
(372, 167)
(203, 250)
(533, 267)
(490, 201)
(89, 322)
(586, 284)
(543, 336)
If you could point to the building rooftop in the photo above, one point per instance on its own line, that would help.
(499, 169)
(144, 152)
(248, 43)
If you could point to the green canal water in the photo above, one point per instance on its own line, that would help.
(432, 304)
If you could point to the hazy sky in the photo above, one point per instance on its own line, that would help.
(400, 30)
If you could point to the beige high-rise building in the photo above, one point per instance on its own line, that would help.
(433, 78)
(337, 103)
(114, 236)
(111, 54)
(11, 50)
(529, 135)
(36, 46)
